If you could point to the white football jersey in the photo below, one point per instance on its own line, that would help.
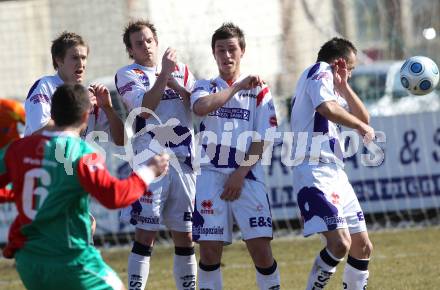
(227, 132)
(314, 87)
(133, 81)
(38, 103)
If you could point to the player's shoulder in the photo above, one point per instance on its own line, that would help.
(204, 85)
(44, 85)
(49, 80)
(126, 69)
(211, 82)
(319, 71)
(25, 144)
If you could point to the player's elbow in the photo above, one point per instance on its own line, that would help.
(120, 140)
(367, 118)
(113, 203)
(327, 109)
(200, 110)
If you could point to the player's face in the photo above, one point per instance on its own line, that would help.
(351, 63)
(72, 68)
(228, 54)
(143, 47)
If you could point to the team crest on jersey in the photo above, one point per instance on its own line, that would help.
(147, 197)
(207, 207)
(142, 77)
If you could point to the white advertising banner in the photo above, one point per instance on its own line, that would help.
(408, 177)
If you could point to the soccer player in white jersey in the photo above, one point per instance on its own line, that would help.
(322, 101)
(233, 107)
(165, 93)
(69, 59)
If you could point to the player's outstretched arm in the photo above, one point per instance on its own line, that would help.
(335, 113)
(212, 102)
(113, 192)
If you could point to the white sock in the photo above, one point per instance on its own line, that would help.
(210, 277)
(269, 278)
(185, 268)
(356, 274)
(138, 266)
(323, 268)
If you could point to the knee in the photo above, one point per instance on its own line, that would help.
(145, 237)
(362, 249)
(210, 255)
(181, 239)
(261, 252)
(339, 247)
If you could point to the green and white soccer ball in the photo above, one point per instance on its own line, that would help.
(419, 75)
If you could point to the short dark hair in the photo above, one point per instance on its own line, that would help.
(226, 31)
(135, 26)
(336, 48)
(69, 102)
(62, 43)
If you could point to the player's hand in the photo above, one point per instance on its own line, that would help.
(250, 82)
(102, 95)
(233, 186)
(367, 132)
(169, 61)
(340, 73)
(159, 164)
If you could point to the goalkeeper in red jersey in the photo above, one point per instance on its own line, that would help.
(53, 176)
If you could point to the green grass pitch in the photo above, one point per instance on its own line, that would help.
(402, 259)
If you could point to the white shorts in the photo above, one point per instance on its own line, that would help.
(169, 201)
(213, 217)
(326, 199)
